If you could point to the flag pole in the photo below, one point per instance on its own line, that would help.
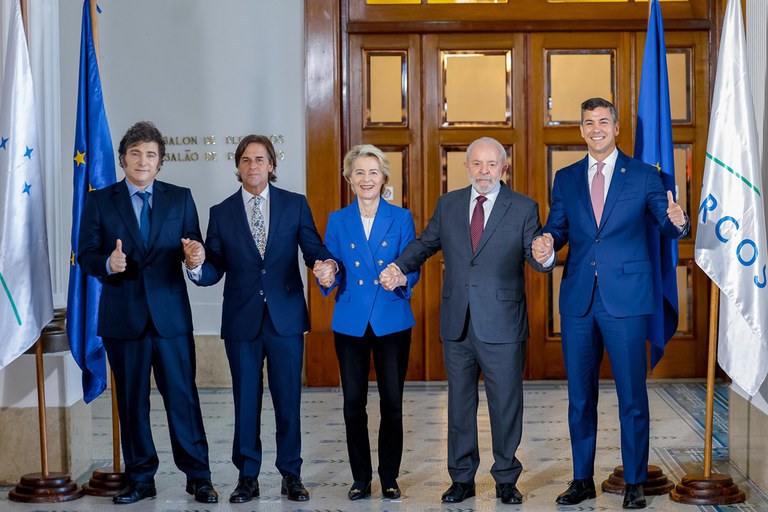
(103, 483)
(709, 488)
(43, 487)
(46, 486)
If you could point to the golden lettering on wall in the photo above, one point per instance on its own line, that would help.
(191, 153)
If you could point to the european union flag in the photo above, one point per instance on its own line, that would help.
(94, 162)
(653, 145)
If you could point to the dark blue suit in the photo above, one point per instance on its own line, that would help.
(605, 295)
(264, 317)
(145, 321)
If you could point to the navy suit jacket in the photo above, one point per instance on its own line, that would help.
(230, 249)
(360, 298)
(153, 282)
(617, 250)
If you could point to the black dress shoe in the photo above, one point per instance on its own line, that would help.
(634, 496)
(292, 487)
(133, 492)
(458, 492)
(246, 489)
(578, 491)
(359, 490)
(390, 489)
(203, 491)
(509, 494)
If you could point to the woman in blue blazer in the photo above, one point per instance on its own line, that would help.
(366, 236)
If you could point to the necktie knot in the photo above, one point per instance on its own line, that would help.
(600, 166)
(481, 199)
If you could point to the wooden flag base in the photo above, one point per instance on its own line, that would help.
(102, 483)
(696, 489)
(51, 488)
(657, 482)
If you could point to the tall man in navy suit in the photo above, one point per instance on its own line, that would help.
(254, 237)
(131, 238)
(600, 206)
(485, 232)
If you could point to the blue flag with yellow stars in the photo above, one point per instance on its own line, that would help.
(94, 168)
(653, 145)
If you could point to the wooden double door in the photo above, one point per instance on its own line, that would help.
(424, 97)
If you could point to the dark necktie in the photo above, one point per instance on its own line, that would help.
(476, 224)
(144, 217)
(598, 192)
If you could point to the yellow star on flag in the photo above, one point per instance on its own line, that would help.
(72, 259)
(658, 167)
(79, 158)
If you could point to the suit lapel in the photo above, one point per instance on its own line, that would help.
(160, 203)
(355, 232)
(236, 211)
(499, 209)
(381, 225)
(582, 188)
(618, 178)
(275, 198)
(125, 209)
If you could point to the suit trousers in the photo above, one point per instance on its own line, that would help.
(390, 358)
(284, 356)
(173, 363)
(502, 367)
(624, 339)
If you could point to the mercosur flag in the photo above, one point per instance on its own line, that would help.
(731, 239)
(26, 302)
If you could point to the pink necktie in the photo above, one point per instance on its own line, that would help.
(477, 222)
(598, 192)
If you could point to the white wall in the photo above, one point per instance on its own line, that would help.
(757, 51)
(195, 68)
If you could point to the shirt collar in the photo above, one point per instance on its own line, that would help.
(132, 189)
(609, 161)
(247, 195)
(491, 196)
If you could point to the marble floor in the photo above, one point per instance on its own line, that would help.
(677, 412)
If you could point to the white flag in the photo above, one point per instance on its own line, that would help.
(730, 241)
(26, 302)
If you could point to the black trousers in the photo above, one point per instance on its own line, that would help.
(390, 358)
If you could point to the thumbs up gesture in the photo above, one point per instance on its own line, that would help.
(117, 262)
(674, 211)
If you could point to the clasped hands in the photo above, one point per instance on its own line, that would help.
(325, 272)
(392, 277)
(194, 253)
(542, 247)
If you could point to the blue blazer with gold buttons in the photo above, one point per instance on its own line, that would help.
(360, 299)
